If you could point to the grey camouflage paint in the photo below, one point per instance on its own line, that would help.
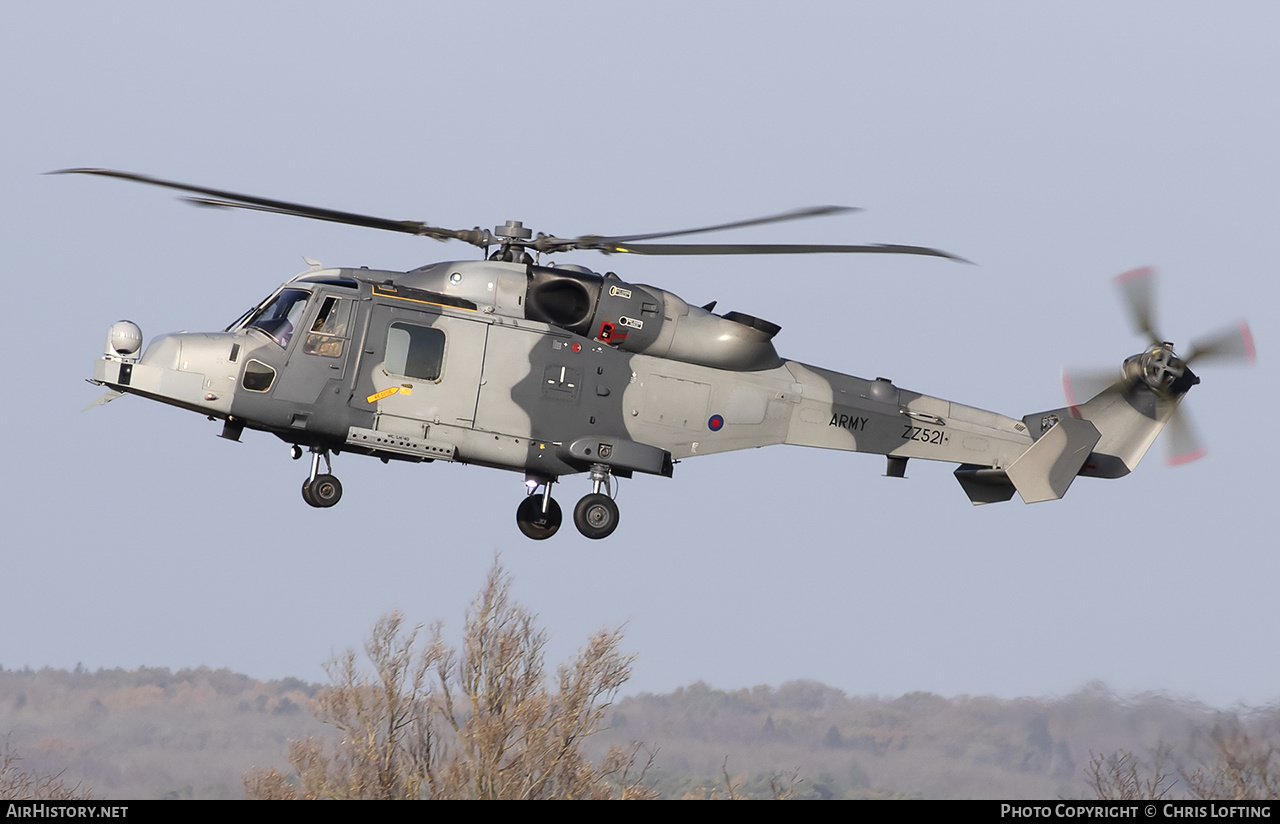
(548, 371)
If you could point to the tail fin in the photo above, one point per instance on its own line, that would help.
(1129, 418)
(1105, 437)
(1045, 471)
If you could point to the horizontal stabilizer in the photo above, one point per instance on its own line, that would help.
(983, 484)
(1045, 471)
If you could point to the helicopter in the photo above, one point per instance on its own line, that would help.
(556, 370)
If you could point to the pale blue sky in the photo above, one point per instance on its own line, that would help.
(1053, 144)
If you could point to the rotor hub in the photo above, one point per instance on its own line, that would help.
(513, 230)
(1162, 370)
(1161, 367)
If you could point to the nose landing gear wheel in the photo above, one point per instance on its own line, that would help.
(324, 491)
(596, 516)
(535, 523)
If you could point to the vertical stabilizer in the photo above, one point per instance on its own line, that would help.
(1045, 471)
(1127, 418)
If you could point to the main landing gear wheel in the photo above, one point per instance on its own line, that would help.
(596, 516)
(324, 491)
(535, 523)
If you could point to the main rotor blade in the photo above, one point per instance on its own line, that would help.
(476, 237)
(794, 214)
(767, 249)
(229, 200)
(543, 243)
(1137, 286)
(1234, 343)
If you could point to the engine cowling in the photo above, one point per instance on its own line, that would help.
(648, 320)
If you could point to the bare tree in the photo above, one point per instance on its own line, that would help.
(475, 722)
(1239, 767)
(781, 787)
(383, 718)
(1123, 776)
(17, 784)
(1242, 767)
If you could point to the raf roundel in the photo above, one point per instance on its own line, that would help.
(715, 423)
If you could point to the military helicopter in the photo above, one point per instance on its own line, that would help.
(556, 370)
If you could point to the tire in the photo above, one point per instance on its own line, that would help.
(596, 516)
(533, 522)
(324, 491)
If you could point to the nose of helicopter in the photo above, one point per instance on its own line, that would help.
(194, 370)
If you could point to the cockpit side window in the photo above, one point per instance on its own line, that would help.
(415, 351)
(281, 316)
(329, 329)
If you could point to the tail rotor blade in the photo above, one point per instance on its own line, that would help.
(1166, 375)
(1234, 343)
(1182, 442)
(1079, 385)
(1137, 287)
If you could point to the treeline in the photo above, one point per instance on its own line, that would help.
(413, 717)
(195, 733)
(922, 745)
(151, 732)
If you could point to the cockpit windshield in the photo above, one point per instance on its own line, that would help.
(282, 315)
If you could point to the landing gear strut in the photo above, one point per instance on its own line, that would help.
(320, 489)
(596, 515)
(538, 515)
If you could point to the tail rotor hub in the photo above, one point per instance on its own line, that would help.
(1161, 367)
(1162, 370)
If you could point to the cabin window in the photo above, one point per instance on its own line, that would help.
(329, 329)
(258, 377)
(415, 351)
(281, 316)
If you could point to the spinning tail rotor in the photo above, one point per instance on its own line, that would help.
(1159, 369)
